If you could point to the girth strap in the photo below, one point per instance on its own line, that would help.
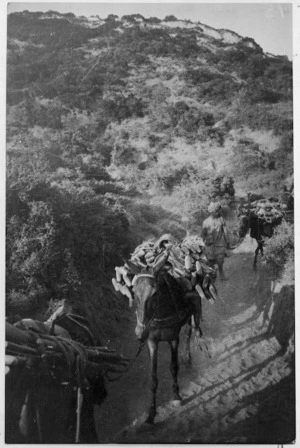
(172, 320)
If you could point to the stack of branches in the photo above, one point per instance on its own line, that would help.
(186, 261)
(60, 356)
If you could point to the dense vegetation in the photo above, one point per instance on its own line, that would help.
(122, 130)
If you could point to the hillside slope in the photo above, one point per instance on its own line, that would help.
(121, 129)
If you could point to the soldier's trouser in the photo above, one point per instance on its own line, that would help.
(219, 262)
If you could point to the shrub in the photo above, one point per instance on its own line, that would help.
(111, 17)
(261, 94)
(153, 20)
(286, 142)
(218, 90)
(129, 18)
(118, 107)
(200, 75)
(124, 154)
(247, 159)
(279, 251)
(170, 19)
(222, 186)
(18, 302)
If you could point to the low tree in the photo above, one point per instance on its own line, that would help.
(170, 18)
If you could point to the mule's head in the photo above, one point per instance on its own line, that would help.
(243, 227)
(144, 288)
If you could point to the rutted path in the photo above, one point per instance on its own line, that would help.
(243, 393)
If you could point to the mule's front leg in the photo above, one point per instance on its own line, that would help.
(260, 248)
(153, 348)
(174, 367)
(255, 256)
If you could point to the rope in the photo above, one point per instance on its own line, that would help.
(65, 345)
(111, 379)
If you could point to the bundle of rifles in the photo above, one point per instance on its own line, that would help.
(186, 262)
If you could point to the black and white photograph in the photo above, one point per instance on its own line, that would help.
(149, 223)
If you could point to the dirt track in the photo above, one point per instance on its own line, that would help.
(243, 393)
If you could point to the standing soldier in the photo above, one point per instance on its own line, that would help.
(215, 236)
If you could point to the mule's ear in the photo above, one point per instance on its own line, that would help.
(133, 267)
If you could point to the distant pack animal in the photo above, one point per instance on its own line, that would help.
(162, 309)
(50, 398)
(262, 216)
(259, 230)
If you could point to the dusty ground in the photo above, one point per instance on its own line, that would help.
(243, 393)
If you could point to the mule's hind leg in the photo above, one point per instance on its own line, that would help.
(153, 348)
(197, 311)
(174, 368)
(187, 342)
